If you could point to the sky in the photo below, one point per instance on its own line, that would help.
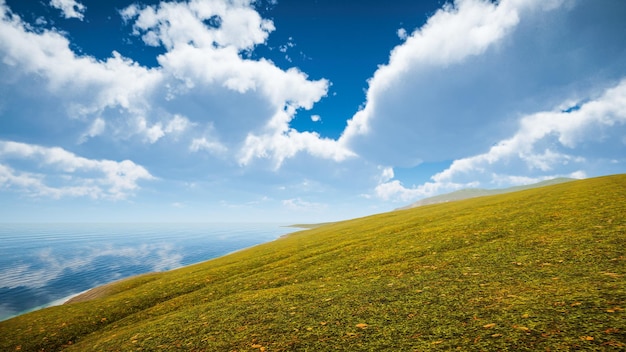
(299, 110)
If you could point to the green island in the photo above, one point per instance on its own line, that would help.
(535, 270)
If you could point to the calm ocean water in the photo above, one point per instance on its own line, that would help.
(45, 264)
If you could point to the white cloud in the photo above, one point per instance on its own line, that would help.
(279, 146)
(82, 85)
(173, 24)
(392, 190)
(463, 85)
(206, 58)
(119, 80)
(549, 141)
(209, 142)
(452, 34)
(214, 147)
(70, 8)
(202, 75)
(151, 133)
(301, 205)
(395, 191)
(9, 177)
(547, 145)
(178, 124)
(387, 174)
(458, 84)
(402, 34)
(97, 128)
(472, 80)
(81, 177)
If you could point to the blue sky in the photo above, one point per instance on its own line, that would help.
(299, 111)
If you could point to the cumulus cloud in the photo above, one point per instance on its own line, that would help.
(204, 24)
(549, 141)
(281, 145)
(509, 92)
(203, 78)
(549, 144)
(207, 59)
(389, 189)
(459, 30)
(459, 84)
(395, 191)
(81, 177)
(115, 82)
(177, 125)
(70, 8)
(86, 88)
(477, 84)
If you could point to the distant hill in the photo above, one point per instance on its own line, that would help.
(534, 270)
(309, 226)
(480, 192)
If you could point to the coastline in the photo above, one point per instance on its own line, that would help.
(99, 291)
(103, 290)
(56, 302)
(152, 246)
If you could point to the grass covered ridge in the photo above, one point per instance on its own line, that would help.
(533, 270)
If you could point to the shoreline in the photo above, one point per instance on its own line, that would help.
(99, 291)
(68, 295)
(56, 302)
(102, 290)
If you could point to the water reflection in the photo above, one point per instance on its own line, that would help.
(43, 263)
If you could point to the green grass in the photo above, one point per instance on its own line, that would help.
(540, 269)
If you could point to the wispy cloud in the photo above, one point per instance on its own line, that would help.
(302, 205)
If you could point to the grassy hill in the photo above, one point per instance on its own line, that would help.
(540, 269)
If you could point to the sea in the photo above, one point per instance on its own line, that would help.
(46, 264)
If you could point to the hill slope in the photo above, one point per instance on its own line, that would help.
(481, 192)
(532, 270)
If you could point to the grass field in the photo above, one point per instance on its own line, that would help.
(541, 269)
